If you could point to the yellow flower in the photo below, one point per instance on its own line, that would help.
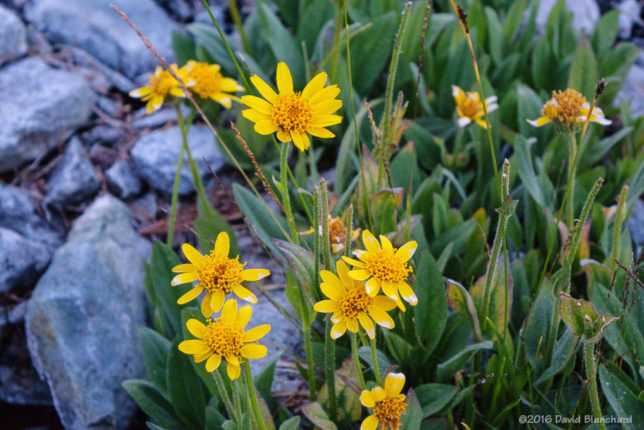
(225, 337)
(217, 275)
(388, 404)
(209, 83)
(568, 110)
(337, 233)
(469, 107)
(293, 114)
(384, 267)
(162, 85)
(350, 304)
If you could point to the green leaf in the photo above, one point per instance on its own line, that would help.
(282, 43)
(384, 207)
(584, 73)
(431, 311)
(314, 412)
(264, 381)
(198, 368)
(573, 312)
(292, 423)
(459, 300)
(153, 403)
(523, 165)
(214, 418)
(605, 32)
(537, 324)
(160, 273)
(155, 353)
(564, 350)
(208, 38)
(512, 21)
(184, 47)
(625, 403)
(434, 397)
(208, 227)
(413, 414)
(313, 20)
(184, 387)
(301, 263)
(447, 369)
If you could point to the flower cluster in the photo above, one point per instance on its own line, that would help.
(568, 110)
(469, 107)
(223, 337)
(387, 404)
(202, 79)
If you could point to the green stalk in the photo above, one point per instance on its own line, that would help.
(591, 374)
(374, 359)
(348, 223)
(336, 41)
(572, 155)
(223, 393)
(505, 211)
(329, 370)
(253, 396)
(310, 371)
(326, 242)
(620, 216)
(237, 400)
(286, 198)
(234, 14)
(356, 360)
(393, 67)
(175, 198)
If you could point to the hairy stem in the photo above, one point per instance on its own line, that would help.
(356, 360)
(253, 396)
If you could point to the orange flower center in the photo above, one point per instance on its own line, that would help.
(385, 266)
(389, 411)
(217, 273)
(337, 230)
(564, 107)
(207, 80)
(354, 302)
(162, 83)
(224, 339)
(291, 112)
(470, 107)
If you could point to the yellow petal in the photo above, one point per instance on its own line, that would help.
(229, 85)
(353, 262)
(367, 399)
(386, 244)
(265, 127)
(370, 423)
(338, 329)
(206, 310)
(457, 93)
(217, 301)
(372, 286)
(191, 253)
(326, 121)
(370, 241)
(140, 92)
(190, 295)
(201, 356)
(284, 79)
(390, 289)
(360, 275)
(326, 306)
(327, 107)
(539, 121)
(213, 362)
(183, 268)
(352, 325)
(233, 370)
(315, 85)
(244, 294)
(255, 116)
(264, 89)
(407, 293)
(222, 244)
(378, 394)
(256, 333)
(407, 250)
(320, 132)
(381, 317)
(229, 311)
(331, 285)
(255, 274)
(394, 383)
(298, 141)
(258, 104)
(325, 94)
(343, 273)
(284, 136)
(196, 328)
(253, 351)
(192, 346)
(367, 325)
(384, 302)
(184, 278)
(243, 316)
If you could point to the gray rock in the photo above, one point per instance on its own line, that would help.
(95, 27)
(158, 118)
(629, 15)
(122, 180)
(636, 224)
(21, 259)
(40, 107)
(116, 79)
(585, 14)
(13, 36)
(18, 213)
(83, 316)
(73, 180)
(632, 91)
(105, 134)
(155, 156)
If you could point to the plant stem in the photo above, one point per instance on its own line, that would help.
(620, 216)
(391, 79)
(326, 242)
(329, 370)
(237, 400)
(374, 359)
(356, 360)
(308, 350)
(285, 195)
(572, 155)
(234, 14)
(175, 198)
(223, 393)
(591, 375)
(253, 396)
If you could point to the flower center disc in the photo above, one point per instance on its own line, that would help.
(386, 267)
(470, 108)
(291, 112)
(565, 106)
(163, 83)
(219, 273)
(354, 302)
(207, 83)
(337, 230)
(389, 412)
(224, 339)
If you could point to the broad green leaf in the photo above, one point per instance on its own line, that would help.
(155, 354)
(433, 397)
(523, 165)
(624, 402)
(184, 387)
(153, 403)
(264, 381)
(413, 414)
(537, 324)
(431, 311)
(184, 47)
(214, 418)
(605, 32)
(301, 263)
(583, 70)
(208, 227)
(460, 301)
(292, 423)
(314, 412)
(160, 273)
(564, 350)
(208, 38)
(447, 369)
